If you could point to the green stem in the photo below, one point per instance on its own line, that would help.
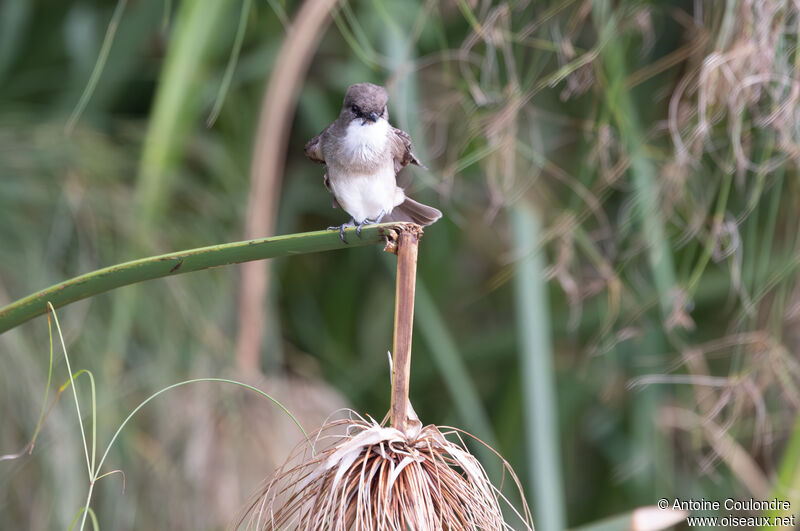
(642, 172)
(786, 487)
(164, 265)
(457, 379)
(616, 55)
(232, 61)
(719, 217)
(99, 65)
(537, 368)
(178, 102)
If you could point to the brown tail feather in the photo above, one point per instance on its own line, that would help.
(410, 210)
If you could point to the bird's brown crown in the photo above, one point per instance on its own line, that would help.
(367, 98)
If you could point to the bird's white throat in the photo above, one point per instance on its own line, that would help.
(365, 139)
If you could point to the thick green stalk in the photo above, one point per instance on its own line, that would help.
(642, 170)
(180, 262)
(177, 104)
(456, 377)
(538, 372)
(613, 66)
(176, 109)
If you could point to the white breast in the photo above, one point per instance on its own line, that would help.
(363, 182)
(366, 195)
(366, 141)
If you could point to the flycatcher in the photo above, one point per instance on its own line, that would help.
(363, 153)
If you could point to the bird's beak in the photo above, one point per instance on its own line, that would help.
(373, 116)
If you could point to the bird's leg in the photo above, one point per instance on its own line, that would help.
(358, 227)
(343, 226)
(366, 221)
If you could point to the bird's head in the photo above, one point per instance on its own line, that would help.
(365, 102)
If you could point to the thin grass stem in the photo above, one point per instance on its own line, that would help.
(97, 71)
(74, 394)
(232, 62)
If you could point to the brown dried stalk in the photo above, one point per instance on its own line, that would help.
(274, 124)
(407, 247)
(394, 478)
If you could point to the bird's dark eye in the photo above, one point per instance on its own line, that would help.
(355, 109)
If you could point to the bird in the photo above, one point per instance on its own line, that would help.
(363, 153)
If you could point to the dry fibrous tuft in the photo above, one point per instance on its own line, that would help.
(377, 477)
(744, 79)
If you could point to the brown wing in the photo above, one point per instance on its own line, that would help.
(313, 151)
(327, 181)
(313, 147)
(401, 150)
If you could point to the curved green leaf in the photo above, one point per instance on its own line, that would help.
(165, 265)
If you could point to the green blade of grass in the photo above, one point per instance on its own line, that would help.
(181, 262)
(94, 472)
(642, 171)
(538, 373)
(613, 70)
(108, 40)
(719, 215)
(199, 380)
(175, 112)
(83, 511)
(232, 62)
(457, 379)
(788, 484)
(72, 377)
(166, 15)
(177, 104)
(14, 18)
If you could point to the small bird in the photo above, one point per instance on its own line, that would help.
(363, 153)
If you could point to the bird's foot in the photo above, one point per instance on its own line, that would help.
(366, 221)
(341, 228)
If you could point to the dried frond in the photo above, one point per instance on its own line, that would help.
(744, 80)
(377, 477)
(743, 400)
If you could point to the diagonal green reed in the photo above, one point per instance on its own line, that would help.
(537, 368)
(175, 263)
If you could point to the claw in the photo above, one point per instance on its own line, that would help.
(368, 221)
(342, 227)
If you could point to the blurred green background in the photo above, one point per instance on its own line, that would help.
(610, 300)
